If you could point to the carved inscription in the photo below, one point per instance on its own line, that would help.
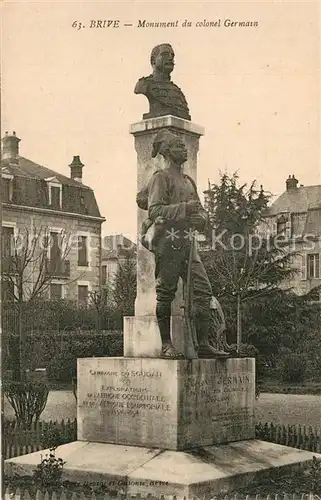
(210, 388)
(211, 398)
(122, 398)
(217, 399)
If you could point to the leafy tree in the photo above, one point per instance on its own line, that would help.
(242, 264)
(281, 323)
(124, 289)
(234, 209)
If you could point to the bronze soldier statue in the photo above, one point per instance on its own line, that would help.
(165, 98)
(174, 213)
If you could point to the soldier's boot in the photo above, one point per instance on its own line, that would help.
(164, 325)
(205, 350)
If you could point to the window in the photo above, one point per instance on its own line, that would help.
(55, 291)
(55, 248)
(313, 266)
(82, 295)
(7, 290)
(54, 192)
(281, 227)
(104, 275)
(55, 196)
(111, 269)
(82, 251)
(7, 189)
(7, 242)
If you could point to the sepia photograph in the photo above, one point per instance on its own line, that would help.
(160, 250)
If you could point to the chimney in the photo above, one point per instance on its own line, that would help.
(76, 169)
(291, 183)
(10, 148)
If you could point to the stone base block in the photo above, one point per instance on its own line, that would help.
(142, 338)
(201, 473)
(167, 404)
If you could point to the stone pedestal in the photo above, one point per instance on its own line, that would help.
(139, 341)
(198, 473)
(144, 133)
(168, 404)
(164, 427)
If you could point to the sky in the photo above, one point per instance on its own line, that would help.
(255, 90)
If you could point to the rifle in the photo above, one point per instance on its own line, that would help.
(191, 343)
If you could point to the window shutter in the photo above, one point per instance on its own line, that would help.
(288, 229)
(304, 267)
(274, 227)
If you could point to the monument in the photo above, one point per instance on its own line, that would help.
(165, 98)
(174, 415)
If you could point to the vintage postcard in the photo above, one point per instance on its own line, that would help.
(161, 249)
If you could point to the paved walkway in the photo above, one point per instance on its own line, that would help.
(279, 408)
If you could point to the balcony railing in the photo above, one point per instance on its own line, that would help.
(58, 268)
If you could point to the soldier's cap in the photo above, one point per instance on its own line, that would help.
(162, 142)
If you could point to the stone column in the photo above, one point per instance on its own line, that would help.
(141, 335)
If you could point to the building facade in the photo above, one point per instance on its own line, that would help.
(115, 250)
(295, 217)
(57, 212)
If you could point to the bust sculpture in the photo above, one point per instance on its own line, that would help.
(165, 98)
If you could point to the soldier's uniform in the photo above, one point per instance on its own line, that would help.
(165, 98)
(169, 190)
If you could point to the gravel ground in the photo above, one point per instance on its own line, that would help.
(60, 405)
(279, 408)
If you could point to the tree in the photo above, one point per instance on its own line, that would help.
(284, 322)
(28, 273)
(242, 263)
(102, 302)
(124, 290)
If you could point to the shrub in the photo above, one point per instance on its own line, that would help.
(310, 347)
(59, 352)
(313, 475)
(62, 364)
(53, 435)
(49, 472)
(59, 316)
(293, 368)
(28, 400)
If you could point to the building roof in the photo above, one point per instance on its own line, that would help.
(297, 200)
(32, 170)
(313, 222)
(30, 188)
